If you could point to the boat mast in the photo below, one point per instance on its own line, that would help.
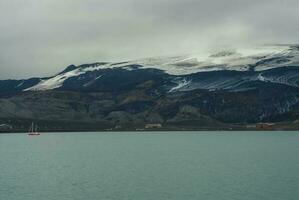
(31, 129)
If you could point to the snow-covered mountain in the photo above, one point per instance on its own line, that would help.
(257, 64)
(228, 86)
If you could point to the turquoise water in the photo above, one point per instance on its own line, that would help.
(150, 166)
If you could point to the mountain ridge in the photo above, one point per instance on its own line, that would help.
(225, 90)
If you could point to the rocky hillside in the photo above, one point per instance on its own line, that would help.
(223, 90)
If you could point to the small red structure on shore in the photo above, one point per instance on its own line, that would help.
(265, 126)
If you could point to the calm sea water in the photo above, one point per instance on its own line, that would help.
(150, 166)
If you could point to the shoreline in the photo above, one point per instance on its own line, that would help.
(148, 131)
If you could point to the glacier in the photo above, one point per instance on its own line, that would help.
(257, 59)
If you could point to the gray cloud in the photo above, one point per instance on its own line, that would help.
(40, 37)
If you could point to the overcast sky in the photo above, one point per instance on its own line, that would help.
(41, 37)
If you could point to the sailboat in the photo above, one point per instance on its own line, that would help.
(33, 130)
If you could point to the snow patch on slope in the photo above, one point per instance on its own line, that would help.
(20, 84)
(55, 82)
(180, 85)
(58, 80)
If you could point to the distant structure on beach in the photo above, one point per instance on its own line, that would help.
(265, 126)
(150, 126)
